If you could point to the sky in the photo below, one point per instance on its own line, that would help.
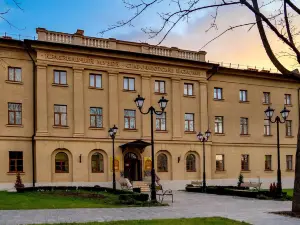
(240, 46)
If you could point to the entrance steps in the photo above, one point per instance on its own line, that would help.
(141, 184)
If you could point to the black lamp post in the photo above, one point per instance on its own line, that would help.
(204, 138)
(139, 101)
(284, 114)
(112, 133)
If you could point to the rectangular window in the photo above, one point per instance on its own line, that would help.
(60, 115)
(245, 162)
(60, 77)
(243, 95)
(129, 84)
(160, 87)
(161, 121)
(129, 119)
(14, 74)
(289, 162)
(96, 119)
(288, 128)
(14, 113)
(96, 80)
(189, 122)
(188, 89)
(218, 93)
(15, 162)
(266, 99)
(268, 162)
(287, 99)
(267, 127)
(219, 124)
(244, 125)
(220, 163)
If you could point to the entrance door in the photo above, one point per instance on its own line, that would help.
(132, 167)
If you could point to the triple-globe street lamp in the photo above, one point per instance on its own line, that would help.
(204, 138)
(112, 133)
(284, 114)
(139, 101)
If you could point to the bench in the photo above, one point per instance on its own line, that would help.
(161, 193)
(255, 185)
(196, 183)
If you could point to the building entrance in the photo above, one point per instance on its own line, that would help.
(132, 167)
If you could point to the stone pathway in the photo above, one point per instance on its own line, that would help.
(185, 205)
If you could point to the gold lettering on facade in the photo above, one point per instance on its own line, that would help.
(116, 64)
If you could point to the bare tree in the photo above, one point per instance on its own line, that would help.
(279, 21)
(4, 12)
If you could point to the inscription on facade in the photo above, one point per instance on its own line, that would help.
(118, 64)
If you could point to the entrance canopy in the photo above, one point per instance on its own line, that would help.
(139, 144)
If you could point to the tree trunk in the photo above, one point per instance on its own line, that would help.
(296, 198)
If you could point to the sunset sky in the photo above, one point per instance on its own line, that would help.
(237, 47)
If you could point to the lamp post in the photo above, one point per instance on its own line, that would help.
(139, 101)
(284, 114)
(112, 133)
(204, 138)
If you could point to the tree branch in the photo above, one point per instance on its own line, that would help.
(294, 7)
(287, 24)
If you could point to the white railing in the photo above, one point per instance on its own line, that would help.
(160, 51)
(189, 55)
(59, 37)
(95, 42)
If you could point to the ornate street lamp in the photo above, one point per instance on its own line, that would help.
(112, 133)
(284, 114)
(204, 138)
(139, 101)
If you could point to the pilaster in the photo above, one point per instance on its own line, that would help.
(146, 93)
(113, 102)
(203, 107)
(41, 100)
(176, 109)
(78, 102)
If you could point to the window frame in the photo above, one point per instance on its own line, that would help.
(287, 99)
(15, 113)
(190, 164)
(268, 162)
(59, 77)
(14, 70)
(165, 159)
(99, 168)
(159, 82)
(223, 162)
(248, 162)
(216, 93)
(128, 117)
(60, 113)
(189, 121)
(128, 78)
(160, 122)
(287, 127)
(287, 163)
(222, 125)
(66, 166)
(266, 126)
(95, 79)
(15, 162)
(268, 98)
(96, 115)
(242, 126)
(241, 95)
(189, 86)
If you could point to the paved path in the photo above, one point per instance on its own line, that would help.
(185, 205)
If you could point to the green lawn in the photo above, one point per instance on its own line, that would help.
(289, 192)
(193, 221)
(40, 200)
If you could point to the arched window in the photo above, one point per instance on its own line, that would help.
(97, 163)
(162, 163)
(191, 163)
(61, 163)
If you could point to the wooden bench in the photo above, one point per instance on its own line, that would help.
(161, 193)
(255, 185)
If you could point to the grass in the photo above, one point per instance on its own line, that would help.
(289, 192)
(54, 200)
(192, 221)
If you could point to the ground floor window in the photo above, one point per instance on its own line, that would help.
(15, 161)
(191, 163)
(61, 163)
(97, 163)
(162, 163)
(219, 162)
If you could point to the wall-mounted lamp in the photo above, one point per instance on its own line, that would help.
(80, 158)
(178, 159)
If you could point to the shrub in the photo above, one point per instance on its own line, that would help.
(142, 197)
(19, 184)
(240, 180)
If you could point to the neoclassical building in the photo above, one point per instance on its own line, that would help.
(60, 94)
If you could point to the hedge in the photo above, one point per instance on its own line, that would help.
(141, 197)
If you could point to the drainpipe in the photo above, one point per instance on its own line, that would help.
(34, 113)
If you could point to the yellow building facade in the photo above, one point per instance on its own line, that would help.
(60, 94)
